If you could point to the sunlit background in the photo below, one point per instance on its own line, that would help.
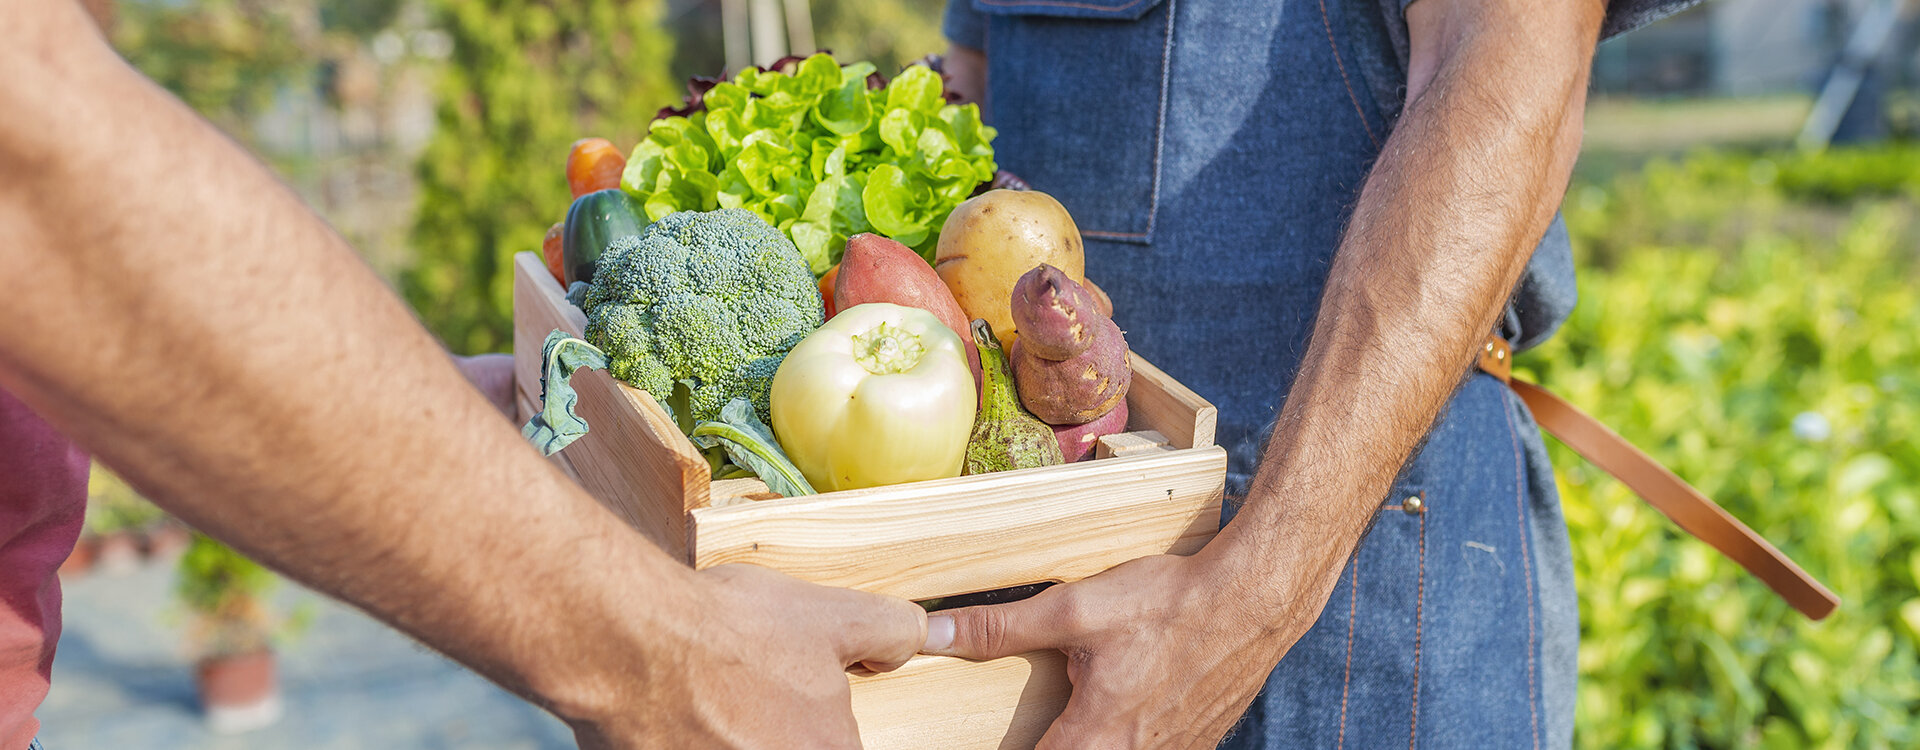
(1744, 216)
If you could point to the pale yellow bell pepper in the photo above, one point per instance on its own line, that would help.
(879, 395)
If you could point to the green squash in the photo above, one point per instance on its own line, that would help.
(594, 221)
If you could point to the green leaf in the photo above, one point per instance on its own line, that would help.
(887, 198)
(917, 88)
(557, 425)
(751, 445)
(816, 76)
(899, 129)
(815, 243)
(845, 111)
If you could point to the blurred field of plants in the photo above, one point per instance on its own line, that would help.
(1748, 312)
(1749, 319)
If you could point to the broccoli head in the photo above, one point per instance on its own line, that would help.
(716, 298)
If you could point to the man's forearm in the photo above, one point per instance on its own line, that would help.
(179, 312)
(1445, 224)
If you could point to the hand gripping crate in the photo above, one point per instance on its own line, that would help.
(1155, 489)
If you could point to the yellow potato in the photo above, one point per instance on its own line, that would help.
(993, 239)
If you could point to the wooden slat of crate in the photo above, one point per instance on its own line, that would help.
(947, 703)
(1131, 444)
(633, 458)
(1157, 402)
(1059, 523)
(916, 540)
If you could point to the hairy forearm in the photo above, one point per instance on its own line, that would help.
(1444, 226)
(182, 314)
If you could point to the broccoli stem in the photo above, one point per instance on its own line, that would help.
(786, 474)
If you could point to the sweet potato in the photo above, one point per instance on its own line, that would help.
(1056, 316)
(1078, 389)
(1078, 441)
(877, 269)
(1071, 366)
(1100, 298)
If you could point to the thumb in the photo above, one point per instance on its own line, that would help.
(879, 632)
(995, 630)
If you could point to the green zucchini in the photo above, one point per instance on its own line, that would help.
(594, 221)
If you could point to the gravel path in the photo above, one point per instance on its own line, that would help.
(122, 681)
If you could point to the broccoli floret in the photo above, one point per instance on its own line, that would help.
(716, 298)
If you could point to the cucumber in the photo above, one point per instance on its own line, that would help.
(594, 221)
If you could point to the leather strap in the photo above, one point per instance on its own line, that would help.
(1671, 495)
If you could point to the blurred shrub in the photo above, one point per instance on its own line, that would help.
(113, 505)
(526, 79)
(225, 58)
(1754, 322)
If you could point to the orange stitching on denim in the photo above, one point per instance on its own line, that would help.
(1419, 630)
(1526, 563)
(1328, 23)
(1353, 607)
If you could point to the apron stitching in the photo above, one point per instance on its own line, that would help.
(1328, 24)
(1160, 119)
(1419, 631)
(1526, 563)
(1353, 608)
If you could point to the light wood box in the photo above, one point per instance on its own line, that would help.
(1156, 489)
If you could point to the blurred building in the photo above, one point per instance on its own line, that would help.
(1744, 47)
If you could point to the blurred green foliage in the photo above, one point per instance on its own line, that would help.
(1750, 320)
(527, 78)
(227, 596)
(225, 58)
(887, 33)
(113, 506)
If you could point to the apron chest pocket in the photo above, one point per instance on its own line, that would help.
(1077, 89)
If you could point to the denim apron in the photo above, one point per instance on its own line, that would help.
(1211, 152)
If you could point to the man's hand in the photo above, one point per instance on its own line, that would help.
(492, 376)
(1166, 652)
(765, 667)
(1162, 651)
(246, 371)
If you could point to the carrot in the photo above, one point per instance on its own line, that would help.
(826, 289)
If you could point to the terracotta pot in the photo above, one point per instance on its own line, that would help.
(119, 553)
(166, 541)
(240, 692)
(81, 559)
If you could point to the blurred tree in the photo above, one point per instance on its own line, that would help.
(225, 58)
(526, 79)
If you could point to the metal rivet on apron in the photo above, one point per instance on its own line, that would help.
(1413, 504)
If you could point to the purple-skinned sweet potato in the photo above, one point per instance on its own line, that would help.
(1078, 441)
(1079, 389)
(1057, 316)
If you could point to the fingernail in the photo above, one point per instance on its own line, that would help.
(939, 633)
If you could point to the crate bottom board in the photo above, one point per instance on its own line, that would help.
(943, 702)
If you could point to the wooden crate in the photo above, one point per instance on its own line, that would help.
(1156, 489)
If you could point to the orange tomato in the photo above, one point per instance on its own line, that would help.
(826, 289)
(550, 251)
(594, 164)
